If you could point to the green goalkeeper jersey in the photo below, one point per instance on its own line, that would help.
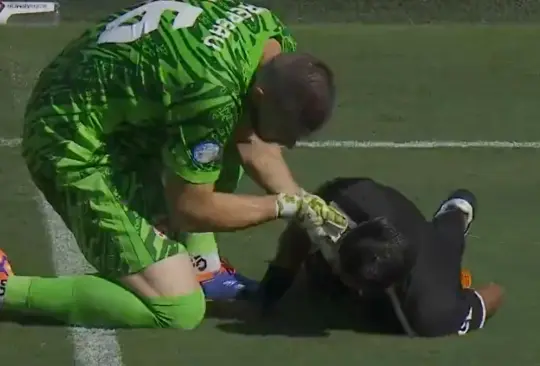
(163, 75)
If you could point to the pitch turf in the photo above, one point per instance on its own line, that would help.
(396, 83)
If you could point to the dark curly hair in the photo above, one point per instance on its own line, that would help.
(376, 255)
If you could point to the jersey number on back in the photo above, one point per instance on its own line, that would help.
(116, 32)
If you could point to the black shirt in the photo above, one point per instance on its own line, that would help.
(431, 299)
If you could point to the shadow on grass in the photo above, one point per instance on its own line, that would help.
(29, 320)
(305, 313)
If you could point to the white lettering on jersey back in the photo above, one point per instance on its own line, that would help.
(222, 28)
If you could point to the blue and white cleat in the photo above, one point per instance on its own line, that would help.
(227, 284)
(5, 273)
(463, 200)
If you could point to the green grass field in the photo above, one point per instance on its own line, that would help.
(396, 83)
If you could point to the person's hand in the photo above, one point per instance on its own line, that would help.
(320, 219)
(312, 214)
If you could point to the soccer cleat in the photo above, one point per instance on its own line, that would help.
(5, 267)
(463, 200)
(5, 272)
(226, 284)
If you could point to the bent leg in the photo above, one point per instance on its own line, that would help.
(146, 279)
(451, 226)
(449, 248)
(93, 301)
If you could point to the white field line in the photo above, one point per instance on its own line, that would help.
(418, 144)
(5, 142)
(358, 144)
(92, 347)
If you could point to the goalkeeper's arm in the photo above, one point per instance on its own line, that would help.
(264, 163)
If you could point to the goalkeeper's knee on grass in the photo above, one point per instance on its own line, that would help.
(93, 301)
(181, 312)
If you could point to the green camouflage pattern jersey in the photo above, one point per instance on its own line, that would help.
(161, 79)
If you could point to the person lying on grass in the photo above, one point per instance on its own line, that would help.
(390, 257)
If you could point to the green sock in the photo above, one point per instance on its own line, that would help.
(92, 301)
(203, 249)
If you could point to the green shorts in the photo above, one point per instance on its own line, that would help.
(118, 215)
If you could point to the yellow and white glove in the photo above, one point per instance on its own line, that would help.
(313, 214)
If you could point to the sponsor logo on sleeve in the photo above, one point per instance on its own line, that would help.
(206, 152)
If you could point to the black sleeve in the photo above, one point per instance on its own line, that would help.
(320, 276)
(441, 316)
(275, 283)
(472, 312)
(277, 280)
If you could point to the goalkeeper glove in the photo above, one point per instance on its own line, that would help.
(312, 213)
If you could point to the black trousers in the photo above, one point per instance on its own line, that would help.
(446, 255)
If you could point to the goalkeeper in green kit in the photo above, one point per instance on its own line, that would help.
(138, 133)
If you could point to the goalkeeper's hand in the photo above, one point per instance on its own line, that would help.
(312, 213)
